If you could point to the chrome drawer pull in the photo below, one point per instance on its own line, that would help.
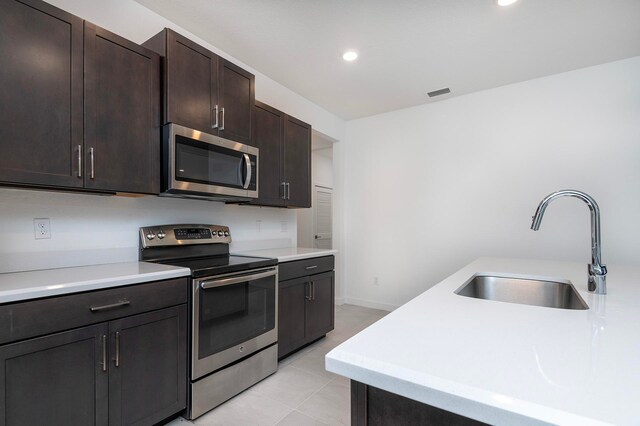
(311, 267)
(119, 304)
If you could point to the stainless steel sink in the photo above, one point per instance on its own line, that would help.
(550, 294)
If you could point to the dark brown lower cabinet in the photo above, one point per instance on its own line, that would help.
(371, 406)
(305, 310)
(147, 380)
(55, 380)
(127, 371)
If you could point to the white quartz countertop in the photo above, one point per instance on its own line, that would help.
(288, 253)
(18, 286)
(506, 363)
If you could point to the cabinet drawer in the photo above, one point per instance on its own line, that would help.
(301, 268)
(29, 319)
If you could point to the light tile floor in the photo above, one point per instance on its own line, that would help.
(301, 392)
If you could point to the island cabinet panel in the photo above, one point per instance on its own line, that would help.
(55, 380)
(147, 380)
(306, 302)
(284, 167)
(203, 91)
(371, 406)
(128, 368)
(41, 125)
(122, 114)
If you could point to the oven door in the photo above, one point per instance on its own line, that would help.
(234, 315)
(205, 165)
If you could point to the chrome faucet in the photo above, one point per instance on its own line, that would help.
(597, 271)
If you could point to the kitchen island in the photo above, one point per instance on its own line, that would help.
(507, 363)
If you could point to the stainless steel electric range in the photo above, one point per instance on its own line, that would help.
(234, 310)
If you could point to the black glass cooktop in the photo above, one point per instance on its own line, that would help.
(216, 265)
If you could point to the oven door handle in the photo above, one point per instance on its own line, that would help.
(235, 280)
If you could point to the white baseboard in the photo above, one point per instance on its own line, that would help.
(370, 304)
(339, 300)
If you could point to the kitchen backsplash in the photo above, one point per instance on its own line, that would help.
(91, 229)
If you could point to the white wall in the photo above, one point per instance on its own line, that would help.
(444, 183)
(88, 229)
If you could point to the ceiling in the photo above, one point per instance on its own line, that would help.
(408, 47)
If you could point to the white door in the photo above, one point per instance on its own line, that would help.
(322, 221)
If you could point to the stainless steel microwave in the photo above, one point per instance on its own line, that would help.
(200, 165)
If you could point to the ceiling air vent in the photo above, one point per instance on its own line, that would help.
(439, 92)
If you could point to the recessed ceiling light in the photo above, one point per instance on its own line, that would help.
(505, 2)
(350, 55)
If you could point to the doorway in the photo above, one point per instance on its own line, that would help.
(315, 225)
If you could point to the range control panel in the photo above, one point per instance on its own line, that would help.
(174, 235)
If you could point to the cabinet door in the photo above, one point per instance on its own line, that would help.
(291, 301)
(191, 84)
(319, 314)
(297, 162)
(267, 136)
(58, 379)
(237, 96)
(122, 114)
(148, 370)
(41, 94)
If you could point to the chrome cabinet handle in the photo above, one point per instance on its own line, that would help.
(222, 126)
(247, 165)
(235, 280)
(79, 160)
(288, 190)
(117, 349)
(311, 267)
(119, 304)
(104, 352)
(215, 113)
(284, 190)
(92, 173)
(313, 290)
(307, 291)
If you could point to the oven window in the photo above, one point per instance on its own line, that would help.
(208, 164)
(232, 314)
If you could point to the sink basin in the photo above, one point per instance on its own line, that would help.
(550, 294)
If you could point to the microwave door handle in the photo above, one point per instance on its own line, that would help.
(247, 165)
(235, 280)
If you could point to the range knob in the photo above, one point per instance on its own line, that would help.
(161, 234)
(220, 233)
(151, 235)
(226, 233)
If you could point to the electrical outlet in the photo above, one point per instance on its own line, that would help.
(42, 228)
(258, 226)
(376, 281)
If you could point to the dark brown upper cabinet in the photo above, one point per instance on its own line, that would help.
(203, 91)
(40, 94)
(284, 169)
(121, 114)
(77, 111)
